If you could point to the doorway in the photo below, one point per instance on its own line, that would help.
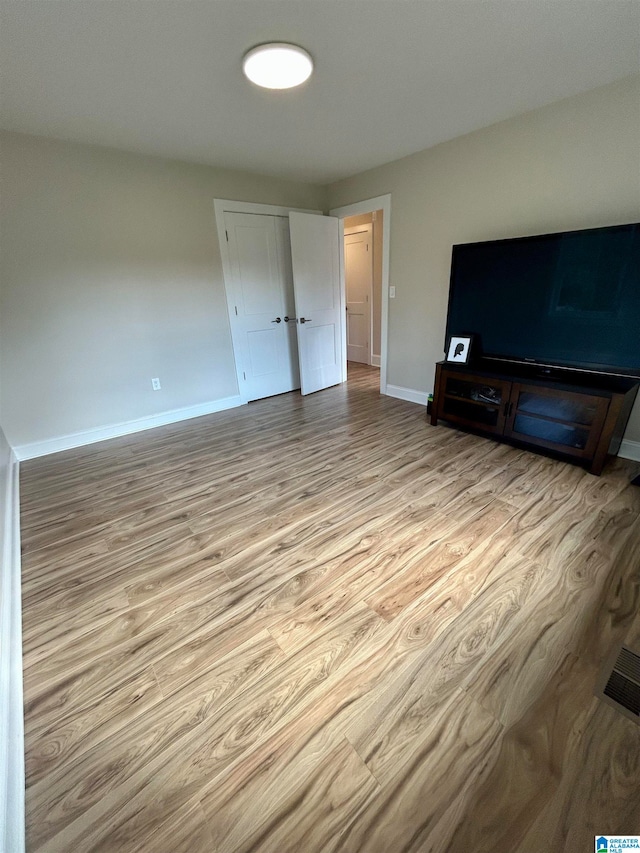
(363, 286)
(377, 213)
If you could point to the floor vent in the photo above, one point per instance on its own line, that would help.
(620, 686)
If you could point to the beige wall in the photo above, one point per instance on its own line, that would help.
(574, 164)
(377, 225)
(111, 275)
(110, 271)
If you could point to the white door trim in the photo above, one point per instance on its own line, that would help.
(382, 202)
(222, 206)
(12, 799)
(358, 229)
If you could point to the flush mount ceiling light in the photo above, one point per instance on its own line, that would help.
(277, 65)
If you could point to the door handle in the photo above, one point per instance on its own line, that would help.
(277, 320)
(291, 319)
(302, 320)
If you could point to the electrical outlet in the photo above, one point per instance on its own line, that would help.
(155, 384)
(392, 291)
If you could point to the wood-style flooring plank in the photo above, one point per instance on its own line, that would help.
(318, 623)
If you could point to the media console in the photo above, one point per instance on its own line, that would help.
(581, 416)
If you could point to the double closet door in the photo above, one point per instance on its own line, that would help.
(283, 287)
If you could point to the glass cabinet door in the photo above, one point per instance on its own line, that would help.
(560, 420)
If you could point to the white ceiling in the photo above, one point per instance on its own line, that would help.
(392, 76)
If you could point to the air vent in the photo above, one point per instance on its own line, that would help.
(620, 685)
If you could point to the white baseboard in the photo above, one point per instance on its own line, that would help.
(375, 361)
(90, 436)
(407, 394)
(12, 835)
(630, 450)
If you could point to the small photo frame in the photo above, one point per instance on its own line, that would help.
(459, 349)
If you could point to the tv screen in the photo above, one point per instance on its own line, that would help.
(569, 300)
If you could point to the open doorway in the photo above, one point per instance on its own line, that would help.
(363, 286)
(365, 272)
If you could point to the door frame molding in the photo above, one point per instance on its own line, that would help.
(369, 205)
(220, 207)
(349, 232)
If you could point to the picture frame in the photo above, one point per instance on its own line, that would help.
(459, 349)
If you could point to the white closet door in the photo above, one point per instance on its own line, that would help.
(262, 294)
(284, 247)
(316, 282)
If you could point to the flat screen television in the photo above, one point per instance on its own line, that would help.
(566, 301)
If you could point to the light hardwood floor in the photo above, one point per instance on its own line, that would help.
(322, 625)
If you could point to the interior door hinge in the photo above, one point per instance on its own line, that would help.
(244, 375)
(226, 234)
(236, 307)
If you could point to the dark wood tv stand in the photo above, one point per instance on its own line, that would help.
(580, 416)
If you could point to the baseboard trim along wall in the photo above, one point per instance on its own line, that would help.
(91, 436)
(630, 450)
(375, 360)
(407, 394)
(12, 835)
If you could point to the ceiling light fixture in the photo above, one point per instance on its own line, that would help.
(277, 65)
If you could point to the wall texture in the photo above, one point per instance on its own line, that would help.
(111, 275)
(574, 164)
